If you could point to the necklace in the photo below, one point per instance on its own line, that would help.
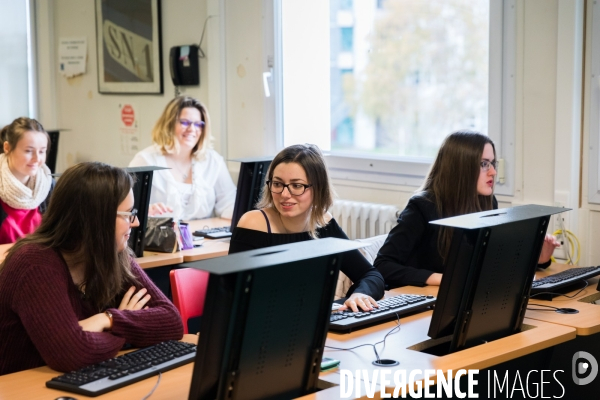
(185, 171)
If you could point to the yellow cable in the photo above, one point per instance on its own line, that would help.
(569, 236)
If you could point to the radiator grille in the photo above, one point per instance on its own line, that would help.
(362, 220)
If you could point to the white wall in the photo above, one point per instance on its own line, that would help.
(92, 119)
(231, 84)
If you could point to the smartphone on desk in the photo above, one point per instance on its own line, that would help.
(329, 363)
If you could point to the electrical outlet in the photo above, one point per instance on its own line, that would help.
(559, 252)
(560, 223)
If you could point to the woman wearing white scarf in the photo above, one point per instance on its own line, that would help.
(25, 180)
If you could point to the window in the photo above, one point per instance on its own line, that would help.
(594, 152)
(16, 78)
(388, 80)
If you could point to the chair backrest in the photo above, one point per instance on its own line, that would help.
(188, 286)
(370, 253)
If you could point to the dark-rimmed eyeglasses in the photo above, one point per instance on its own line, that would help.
(485, 165)
(129, 214)
(187, 123)
(295, 189)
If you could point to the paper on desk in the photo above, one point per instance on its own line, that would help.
(72, 53)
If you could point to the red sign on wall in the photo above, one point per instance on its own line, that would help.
(127, 115)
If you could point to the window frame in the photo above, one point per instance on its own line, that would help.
(32, 59)
(411, 172)
(594, 122)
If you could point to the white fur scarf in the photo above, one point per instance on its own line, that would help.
(23, 197)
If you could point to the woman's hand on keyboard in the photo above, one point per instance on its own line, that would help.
(135, 301)
(366, 303)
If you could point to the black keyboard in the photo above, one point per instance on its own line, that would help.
(563, 279)
(214, 233)
(389, 309)
(124, 370)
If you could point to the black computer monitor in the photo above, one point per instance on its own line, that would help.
(488, 274)
(253, 172)
(265, 320)
(141, 194)
(52, 153)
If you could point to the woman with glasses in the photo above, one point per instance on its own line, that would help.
(25, 180)
(293, 208)
(71, 293)
(197, 183)
(461, 181)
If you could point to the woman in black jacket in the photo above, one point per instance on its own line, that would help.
(461, 181)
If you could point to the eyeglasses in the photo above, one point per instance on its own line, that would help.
(131, 214)
(295, 189)
(485, 165)
(186, 123)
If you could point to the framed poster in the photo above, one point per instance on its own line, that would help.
(129, 46)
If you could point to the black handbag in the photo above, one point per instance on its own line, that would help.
(160, 235)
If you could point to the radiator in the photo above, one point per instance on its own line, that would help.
(362, 220)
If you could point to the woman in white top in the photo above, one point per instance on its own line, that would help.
(198, 181)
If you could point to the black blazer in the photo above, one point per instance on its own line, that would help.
(410, 253)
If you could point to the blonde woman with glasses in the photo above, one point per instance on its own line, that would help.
(197, 184)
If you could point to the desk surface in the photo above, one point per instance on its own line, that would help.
(209, 248)
(401, 346)
(586, 322)
(404, 346)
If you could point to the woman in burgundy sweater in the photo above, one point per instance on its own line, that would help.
(71, 294)
(25, 180)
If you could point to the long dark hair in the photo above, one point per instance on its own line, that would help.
(80, 221)
(310, 158)
(452, 180)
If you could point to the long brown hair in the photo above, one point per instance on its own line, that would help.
(310, 158)
(163, 133)
(80, 221)
(13, 132)
(452, 180)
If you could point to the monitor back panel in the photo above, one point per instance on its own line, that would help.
(503, 279)
(141, 195)
(267, 329)
(250, 183)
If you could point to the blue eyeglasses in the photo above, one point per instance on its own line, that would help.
(186, 123)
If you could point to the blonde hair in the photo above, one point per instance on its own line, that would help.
(310, 158)
(163, 133)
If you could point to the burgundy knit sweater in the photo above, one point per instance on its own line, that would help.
(40, 307)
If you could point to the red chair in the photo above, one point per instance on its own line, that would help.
(188, 287)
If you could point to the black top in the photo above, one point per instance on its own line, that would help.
(410, 252)
(367, 280)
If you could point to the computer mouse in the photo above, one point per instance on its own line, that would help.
(65, 398)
